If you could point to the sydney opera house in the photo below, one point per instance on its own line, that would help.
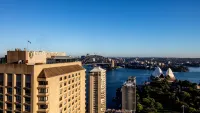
(158, 73)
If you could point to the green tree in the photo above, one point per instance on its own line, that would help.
(139, 107)
(185, 95)
(158, 106)
(146, 101)
(192, 110)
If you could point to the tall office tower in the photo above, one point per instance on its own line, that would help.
(112, 63)
(97, 90)
(129, 95)
(41, 88)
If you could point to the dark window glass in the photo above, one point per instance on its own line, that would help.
(43, 106)
(18, 107)
(1, 97)
(1, 79)
(27, 100)
(43, 82)
(18, 99)
(28, 92)
(9, 98)
(9, 80)
(9, 106)
(27, 108)
(28, 80)
(1, 90)
(18, 80)
(18, 91)
(9, 90)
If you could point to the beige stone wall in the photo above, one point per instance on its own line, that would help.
(15, 56)
(31, 56)
(49, 54)
(53, 83)
(36, 57)
(52, 80)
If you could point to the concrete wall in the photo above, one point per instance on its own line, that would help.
(53, 83)
(15, 56)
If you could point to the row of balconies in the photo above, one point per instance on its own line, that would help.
(17, 107)
(18, 84)
(43, 97)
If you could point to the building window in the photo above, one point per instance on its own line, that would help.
(42, 98)
(65, 77)
(60, 78)
(65, 84)
(18, 80)
(27, 100)
(60, 105)
(43, 82)
(1, 79)
(9, 90)
(69, 76)
(1, 90)
(60, 98)
(18, 99)
(9, 106)
(18, 107)
(28, 92)
(43, 90)
(60, 85)
(1, 97)
(72, 75)
(27, 108)
(18, 91)
(28, 80)
(1, 106)
(9, 83)
(42, 106)
(79, 74)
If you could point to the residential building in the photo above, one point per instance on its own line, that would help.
(129, 95)
(41, 88)
(97, 90)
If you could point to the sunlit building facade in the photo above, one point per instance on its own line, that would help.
(97, 90)
(42, 88)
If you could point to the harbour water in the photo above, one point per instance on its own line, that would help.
(115, 78)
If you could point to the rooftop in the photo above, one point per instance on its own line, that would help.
(55, 71)
(98, 69)
(131, 81)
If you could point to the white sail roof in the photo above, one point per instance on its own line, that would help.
(170, 73)
(157, 72)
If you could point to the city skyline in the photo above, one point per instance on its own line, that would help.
(167, 28)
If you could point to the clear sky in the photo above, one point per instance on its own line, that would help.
(169, 28)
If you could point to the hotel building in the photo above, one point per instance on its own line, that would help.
(29, 85)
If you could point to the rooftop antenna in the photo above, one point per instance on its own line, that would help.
(28, 42)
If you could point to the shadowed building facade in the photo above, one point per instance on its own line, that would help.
(129, 95)
(42, 88)
(97, 90)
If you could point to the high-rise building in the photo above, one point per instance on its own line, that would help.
(97, 90)
(41, 88)
(112, 63)
(129, 95)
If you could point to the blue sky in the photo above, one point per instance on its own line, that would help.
(169, 28)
